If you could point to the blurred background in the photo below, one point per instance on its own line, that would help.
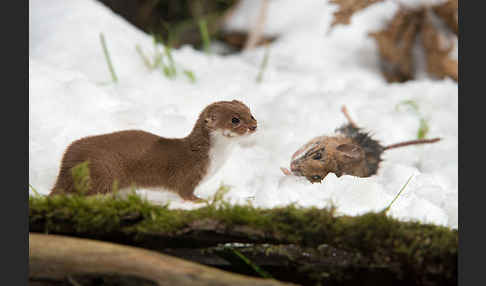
(204, 23)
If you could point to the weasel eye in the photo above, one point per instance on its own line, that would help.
(317, 156)
(316, 178)
(235, 120)
(253, 117)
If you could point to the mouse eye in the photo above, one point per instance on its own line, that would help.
(235, 120)
(316, 178)
(317, 156)
(253, 118)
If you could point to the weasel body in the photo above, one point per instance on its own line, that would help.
(143, 159)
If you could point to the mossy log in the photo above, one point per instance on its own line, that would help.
(303, 245)
(59, 258)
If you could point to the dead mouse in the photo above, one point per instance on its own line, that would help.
(351, 152)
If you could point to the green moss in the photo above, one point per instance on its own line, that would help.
(310, 226)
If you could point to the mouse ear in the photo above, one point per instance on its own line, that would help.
(351, 152)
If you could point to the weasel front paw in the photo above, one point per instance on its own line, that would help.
(194, 199)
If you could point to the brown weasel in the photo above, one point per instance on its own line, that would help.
(350, 152)
(139, 158)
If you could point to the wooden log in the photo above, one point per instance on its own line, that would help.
(54, 257)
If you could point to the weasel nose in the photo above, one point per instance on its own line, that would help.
(252, 128)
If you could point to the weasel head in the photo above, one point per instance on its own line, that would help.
(231, 118)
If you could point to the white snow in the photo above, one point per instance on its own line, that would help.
(311, 72)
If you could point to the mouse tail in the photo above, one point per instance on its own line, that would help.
(412, 142)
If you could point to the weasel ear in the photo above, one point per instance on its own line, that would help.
(238, 102)
(351, 152)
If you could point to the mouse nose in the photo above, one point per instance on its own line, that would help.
(294, 169)
(252, 128)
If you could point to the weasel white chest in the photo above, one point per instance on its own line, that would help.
(219, 152)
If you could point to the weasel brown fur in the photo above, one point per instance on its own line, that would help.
(143, 159)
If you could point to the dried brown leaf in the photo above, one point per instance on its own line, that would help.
(395, 44)
(448, 12)
(347, 8)
(437, 48)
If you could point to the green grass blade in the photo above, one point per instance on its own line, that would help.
(247, 261)
(203, 29)
(410, 103)
(190, 75)
(264, 64)
(219, 195)
(399, 193)
(107, 57)
(171, 66)
(145, 59)
(424, 126)
(81, 177)
(423, 129)
(159, 59)
(72, 281)
(34, 190)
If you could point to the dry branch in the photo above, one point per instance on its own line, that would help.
(255, 35)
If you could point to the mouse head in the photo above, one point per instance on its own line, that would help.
(232, 118)
(313, 164)
(327, 156)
